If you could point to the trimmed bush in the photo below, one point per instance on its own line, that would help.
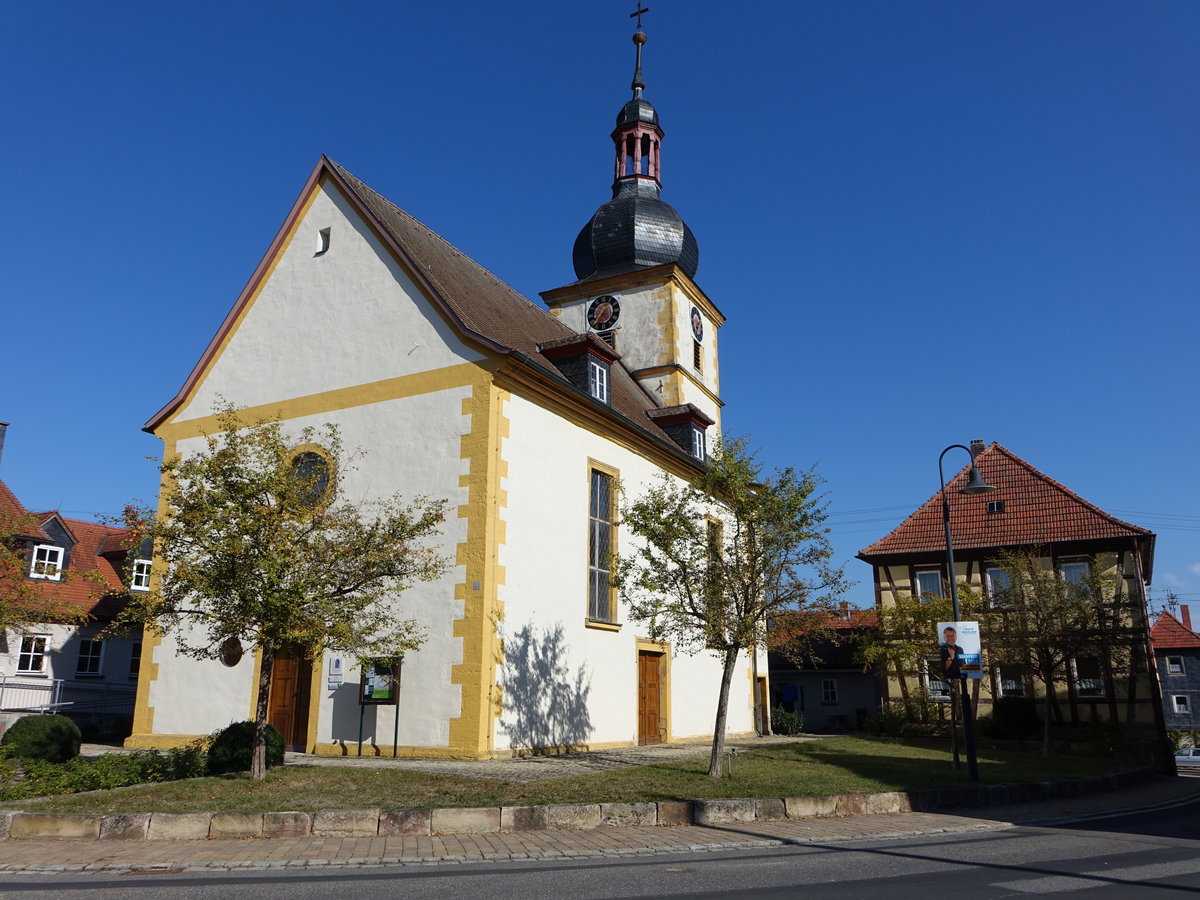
(784, 722)
(52, 738)
(233, 748)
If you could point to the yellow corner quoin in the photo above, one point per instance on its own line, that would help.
(472, 732)
(143, 712)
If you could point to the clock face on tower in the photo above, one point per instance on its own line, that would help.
(603, 313)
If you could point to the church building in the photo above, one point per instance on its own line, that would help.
(527, 418)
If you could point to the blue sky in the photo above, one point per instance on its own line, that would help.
(926, 221)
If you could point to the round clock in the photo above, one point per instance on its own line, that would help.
(603, 313)
(697, 325)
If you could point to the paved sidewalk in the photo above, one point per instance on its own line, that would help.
(257, 853)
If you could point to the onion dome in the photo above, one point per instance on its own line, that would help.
(635, 229)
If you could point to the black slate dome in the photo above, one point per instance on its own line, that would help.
(637, 110)
(634, 230)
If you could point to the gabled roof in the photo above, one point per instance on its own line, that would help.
(14, 516)
(101, 593)
(1037, 511)
(482, 307)
(1169, 633)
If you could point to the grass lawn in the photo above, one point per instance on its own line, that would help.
(840, 765)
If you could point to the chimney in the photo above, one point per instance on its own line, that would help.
(3, 428)
(845, 609)
(977, 447)
(1186, 615)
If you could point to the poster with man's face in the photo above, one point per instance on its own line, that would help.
(959, 649)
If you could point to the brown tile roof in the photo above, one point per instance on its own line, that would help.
(485, 305)
(15, 519)
(1037, 510)
(1169, 633)
(100, 594)
(93, 584)
(484, 308)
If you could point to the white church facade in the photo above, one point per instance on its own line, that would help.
(526, 418)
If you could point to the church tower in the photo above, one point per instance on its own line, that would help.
(635, 261)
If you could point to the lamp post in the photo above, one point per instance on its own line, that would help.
(975, 485)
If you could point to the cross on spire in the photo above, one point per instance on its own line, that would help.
(638, 13)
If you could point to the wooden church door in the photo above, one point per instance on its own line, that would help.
(649, 699)
(287, 704)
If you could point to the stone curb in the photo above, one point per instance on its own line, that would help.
(564, 816)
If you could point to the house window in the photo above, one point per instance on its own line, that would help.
(598, 380)
(929, 581)
(47, 562)
(995, 506)
(1089, 681)
(1174, 665)
(32, 659)
(139, 579)
(600, 547)
(699, 448)
(829, 692)
(1074, 572)
(998, 584)
(91, 653)
(936, 684)
(1181, 705)
(1011, 681)
(135, 660)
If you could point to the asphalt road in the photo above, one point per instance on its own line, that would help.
(1134, 856)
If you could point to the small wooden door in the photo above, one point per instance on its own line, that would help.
(287, 704)
(649, 699)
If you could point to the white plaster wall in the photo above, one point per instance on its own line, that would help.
(545, 589)
(63, 654)
(413, 446)
(346, 317)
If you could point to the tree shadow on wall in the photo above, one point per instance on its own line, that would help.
(545, 706)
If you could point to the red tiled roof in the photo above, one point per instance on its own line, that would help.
(1169, 633)
(15, 518)
(1037, 510)
(855, 618)
(100, 594)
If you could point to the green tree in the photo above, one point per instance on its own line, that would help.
(257, 543)
(1039, 622)
(714, 559)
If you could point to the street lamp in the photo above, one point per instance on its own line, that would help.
(975, 485)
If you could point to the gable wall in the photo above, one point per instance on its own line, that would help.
(348, 317)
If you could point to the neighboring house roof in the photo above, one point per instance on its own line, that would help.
(100, 594)
(1037, 511)
(1169, 633)
(97, 549)
(483, 307)
(14, 515)
(854, 618)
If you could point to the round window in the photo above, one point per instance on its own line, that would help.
(312, 472)
(231, 652)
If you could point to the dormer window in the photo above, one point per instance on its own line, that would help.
(47, 562)
(598, 379)
(685, 425)
(139, 576)
(586, 361)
